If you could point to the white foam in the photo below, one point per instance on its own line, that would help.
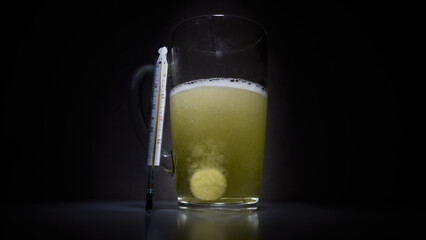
(221, 82)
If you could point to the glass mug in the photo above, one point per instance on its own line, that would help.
(218, 100)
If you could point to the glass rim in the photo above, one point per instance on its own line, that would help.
(262, 36)
(183, 22)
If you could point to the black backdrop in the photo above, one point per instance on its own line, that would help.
(335, 132)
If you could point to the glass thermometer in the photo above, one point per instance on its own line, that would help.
(155, 129)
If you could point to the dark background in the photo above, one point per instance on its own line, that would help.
(335, 131)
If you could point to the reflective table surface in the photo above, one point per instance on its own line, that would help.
(273, 220)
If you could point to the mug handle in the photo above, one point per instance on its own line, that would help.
(138, 119)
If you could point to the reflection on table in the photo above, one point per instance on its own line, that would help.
(217, 225)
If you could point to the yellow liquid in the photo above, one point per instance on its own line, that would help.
(218, 135)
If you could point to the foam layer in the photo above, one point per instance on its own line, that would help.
(221, 82)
